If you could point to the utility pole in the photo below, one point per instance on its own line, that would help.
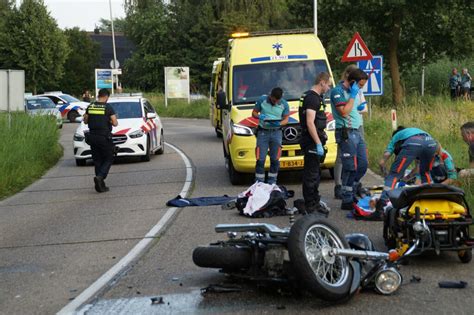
(315, 15)
(115, 78)
(423, 72)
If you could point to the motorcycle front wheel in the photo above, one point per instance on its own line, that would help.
(327, 277)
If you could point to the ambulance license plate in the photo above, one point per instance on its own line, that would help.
(291, 164)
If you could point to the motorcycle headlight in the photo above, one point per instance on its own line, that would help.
(331, 126)
(388, 280)
(241, 130)
(78, 137)
(136, 134)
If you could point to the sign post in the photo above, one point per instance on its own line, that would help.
(177, 83)
(103, 80)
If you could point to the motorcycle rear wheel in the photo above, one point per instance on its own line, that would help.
(230, 258)
(327, 277)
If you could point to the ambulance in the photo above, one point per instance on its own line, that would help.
(215, 113)
(254, 64)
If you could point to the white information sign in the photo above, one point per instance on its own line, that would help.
(176, 83)
(12, 90)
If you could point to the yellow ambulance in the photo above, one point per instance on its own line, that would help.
(254, 64)
(216, 87)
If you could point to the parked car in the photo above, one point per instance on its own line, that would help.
(139, 131)
(37, 105)
(70, 107)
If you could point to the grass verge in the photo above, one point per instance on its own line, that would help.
(179, 107)
(27, 150)
(439, 116)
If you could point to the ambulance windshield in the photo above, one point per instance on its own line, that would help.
(294, 77)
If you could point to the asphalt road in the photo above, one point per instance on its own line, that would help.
(58, 236)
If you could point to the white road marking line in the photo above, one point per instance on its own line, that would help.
(109, 276)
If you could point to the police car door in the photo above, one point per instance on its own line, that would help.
(154, 132)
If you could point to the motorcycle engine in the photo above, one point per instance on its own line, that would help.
(274, 261)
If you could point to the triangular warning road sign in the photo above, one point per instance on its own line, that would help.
(357, 50)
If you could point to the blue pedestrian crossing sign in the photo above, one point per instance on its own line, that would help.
(374, 69)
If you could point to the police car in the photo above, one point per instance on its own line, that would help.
(37, 105)
(69, 106)
(139, 131)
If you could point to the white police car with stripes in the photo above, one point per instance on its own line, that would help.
(70, 107)
(139, 131)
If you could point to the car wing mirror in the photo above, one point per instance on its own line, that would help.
(221, 103)
(151, 115)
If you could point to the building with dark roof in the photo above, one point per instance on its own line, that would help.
(123, 46)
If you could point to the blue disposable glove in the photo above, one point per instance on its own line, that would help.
(274, 123)
(319, 149)
(262, 117)
(361, 106)
(354, 90)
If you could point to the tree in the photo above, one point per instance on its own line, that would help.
(80, 63)
(147, 27)
(34, 44)
(106, 26)
(400, 30)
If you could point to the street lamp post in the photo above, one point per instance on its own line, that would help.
(113, 46)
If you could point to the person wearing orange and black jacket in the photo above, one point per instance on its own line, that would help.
(100, 117)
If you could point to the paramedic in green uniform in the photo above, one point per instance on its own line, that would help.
(272, 112)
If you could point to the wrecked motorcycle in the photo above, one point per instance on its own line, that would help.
(311, 254)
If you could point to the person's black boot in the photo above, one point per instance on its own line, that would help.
(338, 192)
(100, 184)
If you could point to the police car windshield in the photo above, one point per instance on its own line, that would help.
(69, 98)
(294, 77)
(40, 103)
(125, 110)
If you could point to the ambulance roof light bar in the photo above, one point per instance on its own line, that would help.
(273, 32)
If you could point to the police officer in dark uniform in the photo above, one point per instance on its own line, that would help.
(313, 122)
(100, 117)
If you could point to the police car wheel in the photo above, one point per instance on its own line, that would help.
(146, 157)
(80, 162)
(161, 150)
(72, 115)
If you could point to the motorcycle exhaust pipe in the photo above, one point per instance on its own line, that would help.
(362, 254)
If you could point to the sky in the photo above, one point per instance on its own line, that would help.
(82, 13)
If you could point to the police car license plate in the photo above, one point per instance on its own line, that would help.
(291, 164)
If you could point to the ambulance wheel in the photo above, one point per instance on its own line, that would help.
(146, 157)
(465, 256)
(161, 150)
(236, 178)
(80, 162)
(72, 115)
(218, 133)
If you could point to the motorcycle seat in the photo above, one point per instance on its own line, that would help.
(406, 196)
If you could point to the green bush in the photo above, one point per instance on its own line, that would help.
(27, 150)
(179, 107)
(439, 116)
